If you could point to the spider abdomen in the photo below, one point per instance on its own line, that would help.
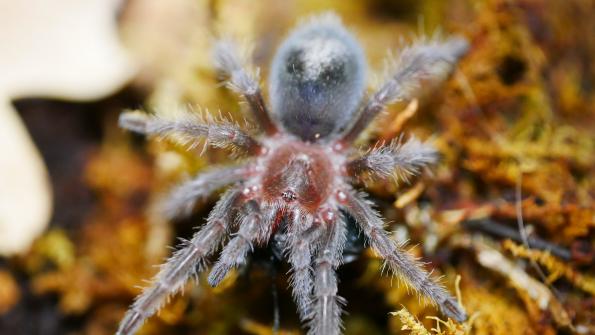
(298, 172)
(317, 79)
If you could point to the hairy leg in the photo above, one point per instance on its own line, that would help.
(403, 158)
(422, 62)
(189, 127)
(299, 247)
(398, 260)
(242, 81)
(187, 260)
(180, 201)
(237, 249)
(326, 312)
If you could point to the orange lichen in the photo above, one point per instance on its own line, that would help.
(555, 267)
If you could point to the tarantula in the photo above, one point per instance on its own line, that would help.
(297, 181)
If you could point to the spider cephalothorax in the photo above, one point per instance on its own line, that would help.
(300, 169)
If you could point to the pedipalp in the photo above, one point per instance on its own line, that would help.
(250, 232)
(327, 306)
(299, 248)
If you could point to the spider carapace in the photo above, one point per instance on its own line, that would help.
(299, 168)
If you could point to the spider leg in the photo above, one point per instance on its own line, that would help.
(424, 61)
(398, 260)
(228, 61)
(180, 201)
(235, 252)
(326, 312)
(189, 128)
(403, 158)
(187, 260)
(299, 247)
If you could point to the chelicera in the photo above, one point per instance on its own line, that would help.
(296, 179)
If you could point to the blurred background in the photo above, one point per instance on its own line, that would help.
(507, 217)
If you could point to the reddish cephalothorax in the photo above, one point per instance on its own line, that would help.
(302, 173)
(295, 187)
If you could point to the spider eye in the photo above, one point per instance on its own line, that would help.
(317, 79)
